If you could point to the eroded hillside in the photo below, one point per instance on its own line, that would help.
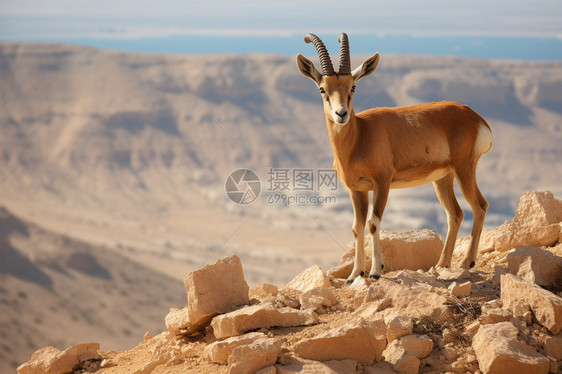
(502, 316)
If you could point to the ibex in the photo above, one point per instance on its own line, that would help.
(383, 148)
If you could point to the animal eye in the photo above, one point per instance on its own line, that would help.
(322, 91)
(353, 89)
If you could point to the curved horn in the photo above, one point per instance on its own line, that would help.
(345, 63)
(325, 62)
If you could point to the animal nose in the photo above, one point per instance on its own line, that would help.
(342, 114)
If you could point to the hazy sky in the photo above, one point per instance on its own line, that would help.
(41, 19)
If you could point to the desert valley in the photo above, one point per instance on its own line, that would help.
(113, 169)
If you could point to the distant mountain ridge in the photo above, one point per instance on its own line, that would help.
(87, 123)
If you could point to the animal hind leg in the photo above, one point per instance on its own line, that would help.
(479, 205)
(360, 201)
(444, 188)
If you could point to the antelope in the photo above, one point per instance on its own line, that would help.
(385, 148)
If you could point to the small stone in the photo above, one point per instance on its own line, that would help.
(177, 320)
(472, 328)
(313, 277)
(363, 342)
(535, 265)
(405, 353)
(398, 327)
(317, 297)
(418, 345)
(263, 291)
(257, 316)
(212, 290)
(494, 315)
(219, 351)
(460, 290)
(247, 359)
(409, 364)
(51, 360)
(452, 274)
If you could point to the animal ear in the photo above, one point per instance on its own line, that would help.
(366, 67)
(307, 69)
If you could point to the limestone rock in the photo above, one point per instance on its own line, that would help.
(546, 306)
(363, 342)
(452, 274)
(317, 297)
(258, 316)
(405, 353)
(537, 209)
(50, 360)
(553, 346)
(177, 320)
(417, 345)
(535, 265)
(498, 351)
(263, 291)
(536, 223)
(401, 250)
(411, 278)
(494, 315)
(39, 361)
(398, 327)
(415, 301)
(247, 359)
(409, 364)
(460, 290)
(313, 277)
(214, 289)
(301, 365)
(220, 351)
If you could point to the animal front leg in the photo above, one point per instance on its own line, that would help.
(360, 201)
(380, 196)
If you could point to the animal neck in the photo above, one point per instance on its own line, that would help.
(343, 138)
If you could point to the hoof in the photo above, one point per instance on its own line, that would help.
(362, 273)
(382, 266)
(472, 264)
(374, 276)
(348, 282)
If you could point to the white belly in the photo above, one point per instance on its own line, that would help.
(431, 177)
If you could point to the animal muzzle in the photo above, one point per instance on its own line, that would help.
(340, 115)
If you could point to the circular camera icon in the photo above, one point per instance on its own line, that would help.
(243, 186)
